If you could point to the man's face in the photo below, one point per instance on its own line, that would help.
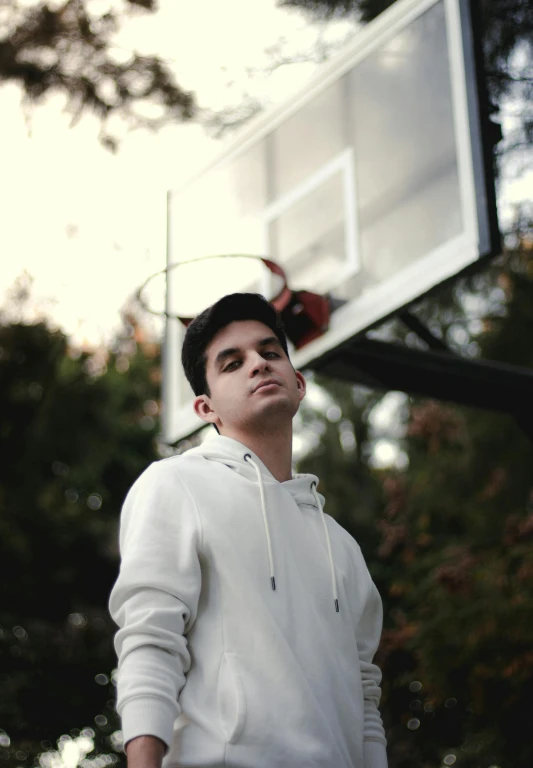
(240, 357)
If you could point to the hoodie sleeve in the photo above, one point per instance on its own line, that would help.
(368, 636)
(154, 600)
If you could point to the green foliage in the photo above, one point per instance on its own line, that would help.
(449, 540)
(75, 432)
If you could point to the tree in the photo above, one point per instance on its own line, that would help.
(76, 430)
(68, 48)
(448, 539)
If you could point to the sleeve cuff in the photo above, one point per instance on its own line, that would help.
(375, 754)
(148, 717)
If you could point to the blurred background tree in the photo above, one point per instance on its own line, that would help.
(76, 429)
(448, 537)
(70, 48)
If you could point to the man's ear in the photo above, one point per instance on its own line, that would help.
(202, 408)
(301, 383)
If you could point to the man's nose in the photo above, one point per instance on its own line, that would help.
(259, 364)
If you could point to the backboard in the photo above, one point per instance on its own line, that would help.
(371, 184)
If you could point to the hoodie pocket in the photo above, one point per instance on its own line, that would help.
(231, 701)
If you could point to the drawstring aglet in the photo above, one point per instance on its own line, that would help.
(273, 582)
(337, 605)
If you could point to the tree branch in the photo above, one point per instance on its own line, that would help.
(70, 51)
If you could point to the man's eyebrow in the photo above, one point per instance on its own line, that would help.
(225, 353)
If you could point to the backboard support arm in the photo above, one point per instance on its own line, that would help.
(437, 374)
(423, 332)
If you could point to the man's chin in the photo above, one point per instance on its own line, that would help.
(274, 414)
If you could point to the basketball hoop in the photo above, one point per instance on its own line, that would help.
(305, 315)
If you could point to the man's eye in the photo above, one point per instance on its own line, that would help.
(229, 368)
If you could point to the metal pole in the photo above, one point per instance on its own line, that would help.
(166, 383)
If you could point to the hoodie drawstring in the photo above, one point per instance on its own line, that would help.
(333, 578)
(265, 519)
(247, 457)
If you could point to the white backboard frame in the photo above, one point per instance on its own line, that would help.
(342, 163)
(475, 241)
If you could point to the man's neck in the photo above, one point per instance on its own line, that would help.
(274, 450)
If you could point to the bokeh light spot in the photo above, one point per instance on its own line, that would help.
(77, 620)
(5, 741)
(122, 364)
(117, 741)
(94, 501)
(151, 408)
(334, 414)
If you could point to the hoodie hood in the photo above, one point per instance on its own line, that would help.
(302, 487)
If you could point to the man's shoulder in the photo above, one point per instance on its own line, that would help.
(348, 541)
(166, 477)
(180, 461)
(179, 466)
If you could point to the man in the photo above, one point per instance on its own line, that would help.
(248, 618)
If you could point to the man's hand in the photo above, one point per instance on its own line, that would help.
(145, 752)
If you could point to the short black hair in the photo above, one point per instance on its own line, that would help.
(204, 327)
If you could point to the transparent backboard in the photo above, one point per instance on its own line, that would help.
(370, 185)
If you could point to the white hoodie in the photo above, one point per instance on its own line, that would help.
(231, 649)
